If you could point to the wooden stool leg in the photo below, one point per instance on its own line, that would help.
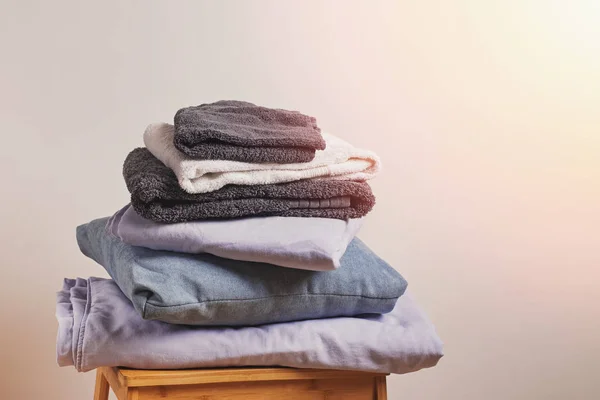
(101, 390)
(133, 393)
(380, 388)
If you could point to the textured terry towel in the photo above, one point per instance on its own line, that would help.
(339, 160)
(241, 131)
(306, 243)
(156, 195)
(202, 289)
(113, 334)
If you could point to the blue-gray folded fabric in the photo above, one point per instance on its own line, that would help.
(97, 326)
(315, 244)
(203, 289)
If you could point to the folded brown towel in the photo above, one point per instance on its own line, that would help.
(156, 195)
(241, 131)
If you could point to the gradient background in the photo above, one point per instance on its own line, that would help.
(485, 113)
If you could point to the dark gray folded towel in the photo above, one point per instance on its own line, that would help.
(156, 195)
(241, 131)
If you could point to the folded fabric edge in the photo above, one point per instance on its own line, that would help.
(64, 316)
(353, 226)
(427, 355)
(377, 305)
(318, 261)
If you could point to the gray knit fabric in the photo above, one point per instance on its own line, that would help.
(156, 195)
(241, 131)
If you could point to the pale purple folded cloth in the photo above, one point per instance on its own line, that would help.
(315, 244)
(98, 326)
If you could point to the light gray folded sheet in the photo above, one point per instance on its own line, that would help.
(98, 326)
(315, 244)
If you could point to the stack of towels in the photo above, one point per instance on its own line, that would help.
(238, 249)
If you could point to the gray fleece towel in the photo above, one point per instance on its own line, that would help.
(156, 195)
(241, 131)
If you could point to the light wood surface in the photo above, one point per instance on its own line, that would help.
(136, 377)
(101, 390)
(111, 376)
(240, 384)
(330, 389)
(380, 388)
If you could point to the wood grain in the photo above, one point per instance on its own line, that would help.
(133, 394)
(101, 390)
(134, 377)
(317, 389)
(240, 384)
(111, 376)
(380, 388)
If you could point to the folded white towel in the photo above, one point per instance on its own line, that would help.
(339, 160)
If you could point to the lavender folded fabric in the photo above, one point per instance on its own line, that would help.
(97, 326)
(156, 195)
(242, 131)
(315, 244)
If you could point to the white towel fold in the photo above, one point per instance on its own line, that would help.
(339, 160)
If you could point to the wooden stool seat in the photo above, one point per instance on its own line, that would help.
(240, 384)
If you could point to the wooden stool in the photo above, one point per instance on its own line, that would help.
(240, 384)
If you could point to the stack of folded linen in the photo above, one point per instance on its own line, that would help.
(239, 249)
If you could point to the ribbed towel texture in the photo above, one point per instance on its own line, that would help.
(156, 195)
(242, 131)
(339, 160)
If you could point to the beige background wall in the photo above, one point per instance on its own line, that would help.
(485, 113)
